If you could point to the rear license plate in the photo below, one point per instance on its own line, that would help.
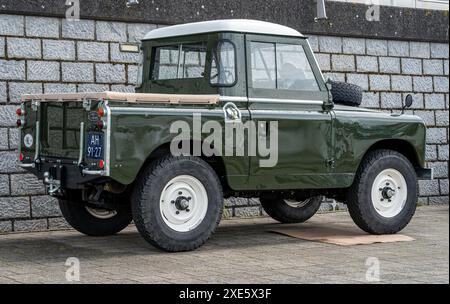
(94, 145)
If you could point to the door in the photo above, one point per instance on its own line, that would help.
(286, 94)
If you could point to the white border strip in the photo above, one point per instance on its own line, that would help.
(287, 101)
(140, 110)
(108, 138)
(419, 4)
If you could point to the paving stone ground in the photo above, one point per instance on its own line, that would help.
(242, 251)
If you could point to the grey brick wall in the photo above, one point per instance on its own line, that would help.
(42, 54)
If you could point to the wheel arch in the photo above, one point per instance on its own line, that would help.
(403, 147)
(216, 162)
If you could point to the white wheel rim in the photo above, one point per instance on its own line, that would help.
(389, 193)
(183, 203)
(297, 204)
(102, 214)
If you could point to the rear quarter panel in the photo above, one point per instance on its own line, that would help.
(136, 132)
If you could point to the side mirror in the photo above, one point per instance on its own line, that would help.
(408, 102)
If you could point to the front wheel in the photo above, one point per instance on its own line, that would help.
(289, 211)
(177, 203)
(383, 197)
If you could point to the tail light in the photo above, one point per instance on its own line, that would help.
(101, 112)
(100, 124)
(20, 112)
(101, 164)
(21, 156)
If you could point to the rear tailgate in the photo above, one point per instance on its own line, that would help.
(63, 132)
(60, 129)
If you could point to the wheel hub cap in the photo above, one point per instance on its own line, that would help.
(183, 203)
(389, 193)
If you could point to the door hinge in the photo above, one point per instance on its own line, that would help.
(87, 104)
(35, 105)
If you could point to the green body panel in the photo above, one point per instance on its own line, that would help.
(356, 130)
(304, 137)
(138, 131)
(320, 144)
(308, 139)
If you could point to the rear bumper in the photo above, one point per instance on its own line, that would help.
(70, 176)
(425, 173)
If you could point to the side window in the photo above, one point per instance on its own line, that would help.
(165, 62)
(223, 65)
(263, 65)
(178, 61)
(193, 59)
(281, 66)
(293, 69)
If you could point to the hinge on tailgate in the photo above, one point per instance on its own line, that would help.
(87, 104)
(80, 156)
(38, 142)
(35, 105)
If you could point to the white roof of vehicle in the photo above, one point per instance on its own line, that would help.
(226, 25)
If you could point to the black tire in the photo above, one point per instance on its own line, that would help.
(146, 207)
(77, 215)
(359, 199)
(346, 93)
(282, 212)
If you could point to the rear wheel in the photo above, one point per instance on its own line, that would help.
(177, 203)
(290, 211)
(383, 197)
(94, 221)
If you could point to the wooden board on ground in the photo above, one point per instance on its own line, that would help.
(340, 236)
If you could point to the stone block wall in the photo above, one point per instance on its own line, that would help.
(45, 55)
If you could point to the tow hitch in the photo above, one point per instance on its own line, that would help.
(52, 179)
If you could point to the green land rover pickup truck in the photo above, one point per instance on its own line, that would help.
(222, 108)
